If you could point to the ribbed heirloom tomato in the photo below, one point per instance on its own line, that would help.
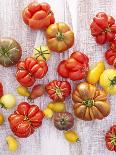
(25, 119)
(110, 138)
(75, 67)
(58, 90)
(110, 54)
(59, 37)
(38, 15)
(103, 28)
(29, 70)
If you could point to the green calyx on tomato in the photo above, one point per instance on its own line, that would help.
(113, 81)
(58, 91)
(113, 139)
(88, 102)
(107, 30)
(60, 36)
(41, 53)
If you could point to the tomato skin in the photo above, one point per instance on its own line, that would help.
(110, 138)
(58, 90)
(25, 119)
(29, 70)
(103, 28)
(75, 67)
(113, 45)
(38, 15)
(110, 56)
(62, 70)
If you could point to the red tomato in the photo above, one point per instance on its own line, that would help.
(1, 89)
(62, 70)
(110, 138)
(38, 15)
(29, 70)
(110, 56)
(75, 68)
(113, 45)
(25, 119)
(103, 28)
(58, 90)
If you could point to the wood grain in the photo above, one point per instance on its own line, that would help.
(47, 140)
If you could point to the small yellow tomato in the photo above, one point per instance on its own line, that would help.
(48, 113)
(23, 91)
(94, 74)
(42, 53)
(108, 81)
(1, 119)
(71, 136)
(57, 106)
(12, 143)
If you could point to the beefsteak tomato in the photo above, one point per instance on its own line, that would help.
(38, 15)
(25, 119)
(59, 37)
(110, 138)
(103, 28)
(58, 90)
(75, 67)
(90, 102)
(110, 56)
(29, 70)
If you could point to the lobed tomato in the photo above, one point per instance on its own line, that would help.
(75, 67)
(38, 15)
(103, 28)
(58, 90)
(25, 119)
(29, 70)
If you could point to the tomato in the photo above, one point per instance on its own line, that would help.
(113, 45)
(59, 37)
(103, 28)
(110, 56)
(62, 70)
(75, 67)
(58, 90)
(110, 138)
(10, 52)
(29, 70)
(108, 81)
(1, 89)
(25, 119)
(42, 53)
(38, 15)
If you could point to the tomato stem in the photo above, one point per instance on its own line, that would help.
(113, 81)
(88, 102)
(60, 36)
(113, 139)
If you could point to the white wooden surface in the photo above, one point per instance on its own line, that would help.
(47, 140)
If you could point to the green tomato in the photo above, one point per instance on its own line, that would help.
(8, 101)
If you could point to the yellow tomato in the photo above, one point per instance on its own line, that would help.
(71, 136)
(108, 80)
(23, 91)
(57, 106)
(48, 113)
(42, 53)
(1, 118)
(94, 74)
(12, 143)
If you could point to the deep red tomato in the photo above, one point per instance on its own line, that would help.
(62, 70)
(1, 89)
(103, 28)
(38, 15)
(110, 138)
(75, 68)
(110, 56)
(29, 70)
(113, 45)
(25, 119)
(58, 90)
